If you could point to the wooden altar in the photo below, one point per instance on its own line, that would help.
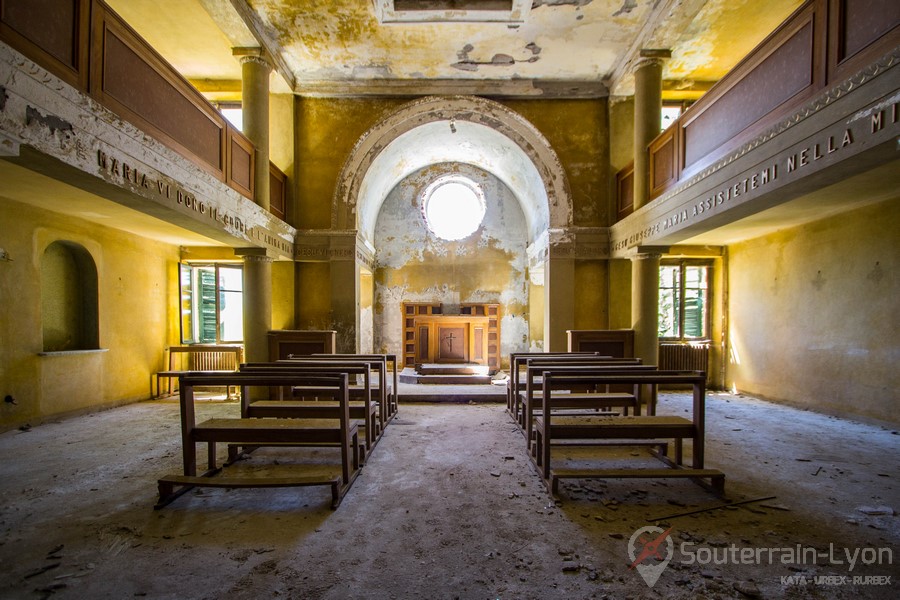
(469, 336)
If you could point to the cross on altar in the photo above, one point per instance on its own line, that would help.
(449, 339)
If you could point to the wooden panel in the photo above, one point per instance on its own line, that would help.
(277, 192)
(618, 343)
(452, 342)
(478, 341)
(284, 342)
(625, 192)
(132, 80)
(241, 160)
(860, 31)
(53, 33)
(664, 167)
(424, 344)
(752, 92)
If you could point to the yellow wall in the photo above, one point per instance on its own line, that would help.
(813, 314)
(591, 299)
(326, 131)
(138, 291)
(578, 131)
(283, 294)
(313, 295)
(620, 294)
(281, 129)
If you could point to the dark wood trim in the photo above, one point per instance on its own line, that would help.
(236, 138)
(813, 14)
(106, 23)
(625, 191)
(75, 75)
(843, 63)
(278, 186)
(666, 156)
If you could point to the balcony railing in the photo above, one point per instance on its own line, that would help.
(89, 46)
(823, 42)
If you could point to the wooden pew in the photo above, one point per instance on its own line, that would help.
(199, 357)
(581, 397)
(380, 382)
(617, 430)
(340, 432)
(528, 361)
(304, 402)
(516, 366)
(389, 381)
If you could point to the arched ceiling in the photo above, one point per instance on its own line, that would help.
(449, 142)
(524, 48)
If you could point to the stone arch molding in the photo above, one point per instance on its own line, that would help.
(464, 129)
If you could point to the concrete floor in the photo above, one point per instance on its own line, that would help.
(449, 506)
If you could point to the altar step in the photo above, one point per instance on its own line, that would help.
(444, 374)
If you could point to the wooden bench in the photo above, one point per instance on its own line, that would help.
(304, 402)
(390, 382)
(632, 430)
(534, 381)
(198, 357)
(516, 366)
(586, 399)
(380, 381)
(338, 432)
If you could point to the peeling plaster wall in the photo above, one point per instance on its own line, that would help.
(326, 131)
(578, 131)
(413, 265)
(366, 312)
(137, 282)
(813, 314)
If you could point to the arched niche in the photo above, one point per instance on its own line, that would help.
(69, 298)
(461, 129)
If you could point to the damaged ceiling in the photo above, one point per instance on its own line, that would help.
(520, 48)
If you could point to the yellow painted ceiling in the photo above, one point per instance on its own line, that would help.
(341, 47)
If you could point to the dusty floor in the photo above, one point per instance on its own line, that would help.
(449, 506)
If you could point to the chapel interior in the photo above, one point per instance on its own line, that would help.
(720, 180)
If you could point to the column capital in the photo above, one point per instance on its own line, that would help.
(254, 254)
(254, 55)
(647, 252)
(651, 58)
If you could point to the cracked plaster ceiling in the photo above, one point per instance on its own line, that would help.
(551, 48)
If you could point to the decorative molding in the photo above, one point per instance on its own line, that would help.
(577, 243)
(9, 147)
(826, 98)
(482, 111)
(316, 245)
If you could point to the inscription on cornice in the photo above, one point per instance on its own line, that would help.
(788, 165)
(122, 171)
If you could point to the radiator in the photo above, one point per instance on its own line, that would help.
(684, 357)
(207, 360)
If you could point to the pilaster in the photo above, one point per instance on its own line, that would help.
(647, 109)
(255, 70)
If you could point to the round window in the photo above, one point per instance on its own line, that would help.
(454, 207)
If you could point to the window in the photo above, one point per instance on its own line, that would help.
(684, 301)
(670, 112)
(211, 304)
(69, 298)
(454, 207)
(233, 112)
